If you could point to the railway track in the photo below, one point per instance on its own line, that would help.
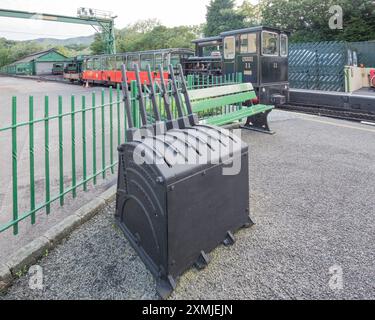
(332, 113)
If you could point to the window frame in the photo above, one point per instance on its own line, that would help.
(226, 57)
(148, 55)
(172, 58)
(119, 62)
(96, 64)
(130, 59)
(248, 43)
(111, 63)
(158, 61)
(283, 35)
(277, 54)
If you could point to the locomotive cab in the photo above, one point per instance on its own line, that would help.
(208, 59)
(261, 55)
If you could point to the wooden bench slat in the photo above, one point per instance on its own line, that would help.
(203, 105)
(219, 91)
(237, 115)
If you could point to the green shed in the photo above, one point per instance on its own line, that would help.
(39, 63)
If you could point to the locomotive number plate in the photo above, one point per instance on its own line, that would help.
(247, 59)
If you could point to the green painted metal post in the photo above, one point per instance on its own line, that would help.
(32, 158)
(61, 151)
(73, 131)
(46, 154)
(14, 164)
(134, 103)
(111, 128)
(84, 144)
(190, 81)
(103, 134)
(93, 104)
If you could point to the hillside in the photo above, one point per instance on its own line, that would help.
(79, 41)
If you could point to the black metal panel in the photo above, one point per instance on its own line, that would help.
(352, 102)
(303, 97)
(201, 211)
(173, 213)
(248, 65)
(275, 94)
(175, 200)
(273, 70)
(365, 103)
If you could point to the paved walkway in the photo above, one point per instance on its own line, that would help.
(312, 196)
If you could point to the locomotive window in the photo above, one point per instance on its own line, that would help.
(147, 59)
(248, 43)
(284, 45)
(270, 44)
(229, 48)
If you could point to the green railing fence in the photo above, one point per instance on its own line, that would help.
(70, 145)
(318, 65)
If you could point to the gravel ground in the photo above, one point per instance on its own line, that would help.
(312, 197)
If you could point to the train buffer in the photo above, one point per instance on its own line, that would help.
(174, 211)
(209, 99)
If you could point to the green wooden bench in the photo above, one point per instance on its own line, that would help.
(231, 97)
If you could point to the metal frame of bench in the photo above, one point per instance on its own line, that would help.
(229, 95)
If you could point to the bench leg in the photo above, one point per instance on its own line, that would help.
(259, 123)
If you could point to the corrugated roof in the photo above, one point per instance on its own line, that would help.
(36, 55)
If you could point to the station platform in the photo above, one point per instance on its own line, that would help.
(312, 198)
(365, 92)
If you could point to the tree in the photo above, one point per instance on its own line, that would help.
(308, 20)
(98, 45)
(222, 16)
(251, 12)
(11, 51)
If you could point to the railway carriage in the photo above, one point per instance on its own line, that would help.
(106, 69)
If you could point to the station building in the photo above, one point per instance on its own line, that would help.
(39, 63)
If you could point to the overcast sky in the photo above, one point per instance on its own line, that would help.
(169, 12)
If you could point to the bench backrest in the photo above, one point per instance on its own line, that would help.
(209, 98)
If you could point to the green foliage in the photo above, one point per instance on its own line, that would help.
(222, 16)
(149, 35)
(11, 51)
(98, 46)
(251, 13)
(308, 19)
